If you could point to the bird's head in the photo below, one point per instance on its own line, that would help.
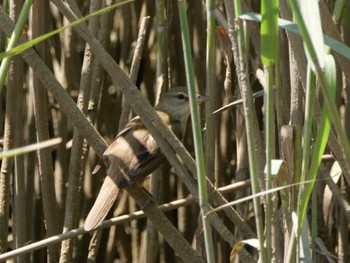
(176, 103)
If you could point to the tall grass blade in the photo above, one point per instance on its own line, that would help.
(269, 32)
(197, 133)
(242, 57)
(321, 138)
(14, 39)
(269, 52)
(29, 148)
(311, 14)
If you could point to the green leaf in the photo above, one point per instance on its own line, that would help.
(311, 15)
(269, 32)
(325, 122)
(321, 138)
(335, 45)
(16, 34)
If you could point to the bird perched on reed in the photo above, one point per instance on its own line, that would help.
(134, 154)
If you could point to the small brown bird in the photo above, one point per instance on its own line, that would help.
(134, 154)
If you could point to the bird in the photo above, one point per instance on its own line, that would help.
(134, 154)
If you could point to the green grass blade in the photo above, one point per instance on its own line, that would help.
(269, 32)
(269, 52)
(259, 194)
(29, 148)
(338, 10)
(17, 32)
(321, 138)
(307, 134)
(270, 134)
(311, 14)
(197, 133)
(242, 57)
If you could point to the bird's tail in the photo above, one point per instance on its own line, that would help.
(105, 200)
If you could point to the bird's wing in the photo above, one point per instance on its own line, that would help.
(130, 125)
(105, 200)
(147, 157)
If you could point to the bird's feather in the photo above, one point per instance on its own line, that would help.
(105, 200)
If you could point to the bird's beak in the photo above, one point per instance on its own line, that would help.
(202, 98)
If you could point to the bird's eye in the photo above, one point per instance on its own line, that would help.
(181, 96)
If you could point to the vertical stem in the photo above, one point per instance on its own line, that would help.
(269, 130)
(19, 198)
(211, 125)
(309, 106)
(242, 68)
(78, 158)
(160, 9)
(50, 206)
(201, 175)
(152, 239)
